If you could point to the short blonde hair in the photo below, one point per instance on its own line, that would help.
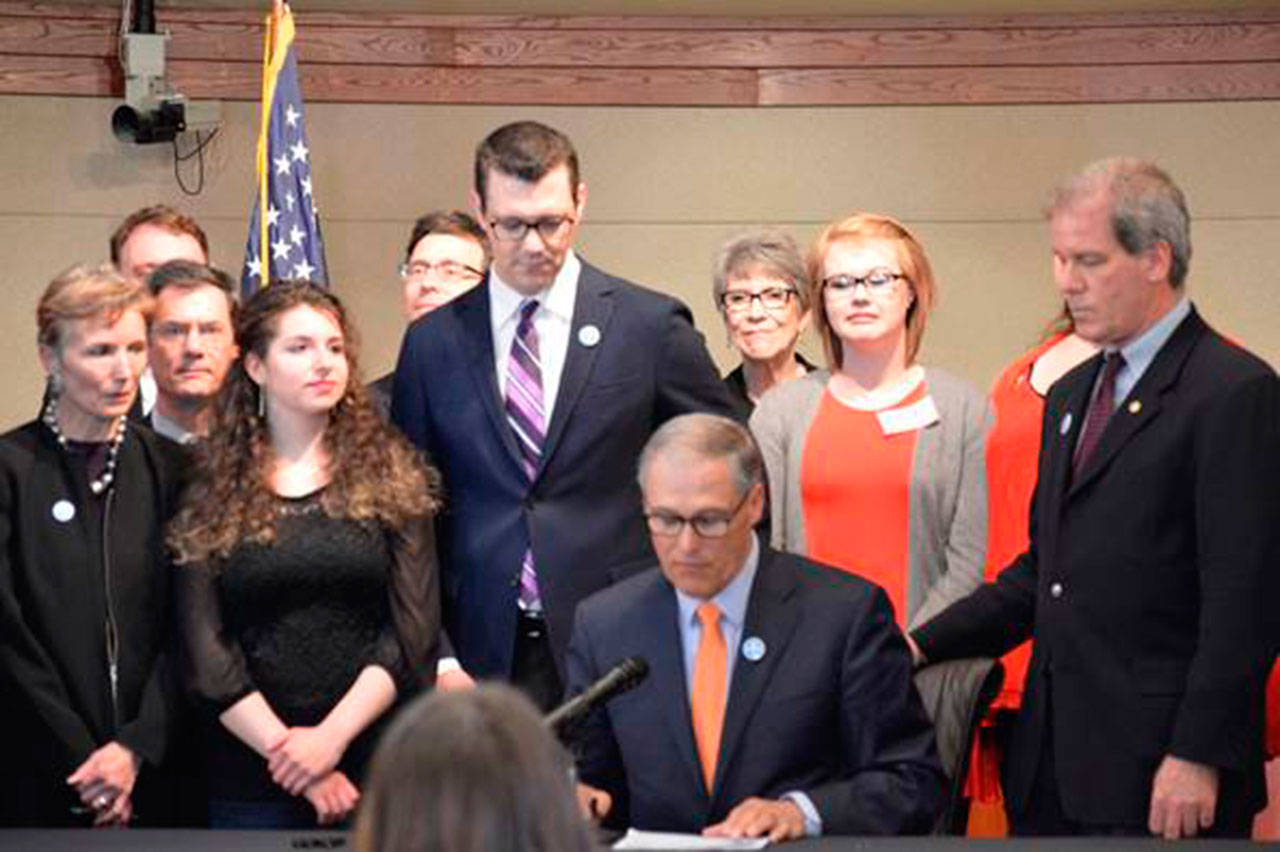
(82, 292)
(911, 258)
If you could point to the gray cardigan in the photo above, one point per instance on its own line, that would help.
(947, 541)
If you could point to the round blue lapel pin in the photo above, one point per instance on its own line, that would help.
(753, 649)
(1065, 426)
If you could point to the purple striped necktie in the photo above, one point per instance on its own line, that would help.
(528, 420)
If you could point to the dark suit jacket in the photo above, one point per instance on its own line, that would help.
(830, 710)
(1149, 584)
(582, 512)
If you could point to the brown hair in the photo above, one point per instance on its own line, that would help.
(470, 771)
(186, 275)
(376, 474)
(454, 222)
(526, 150)
(914, 265)
(161, 216)
(87, 291)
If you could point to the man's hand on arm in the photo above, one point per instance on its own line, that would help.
(1184, 795)
(776, 819)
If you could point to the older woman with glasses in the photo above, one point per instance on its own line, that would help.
(876, 465)
(762, 290)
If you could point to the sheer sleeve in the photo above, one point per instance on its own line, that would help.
(211, 663)
(410, 645)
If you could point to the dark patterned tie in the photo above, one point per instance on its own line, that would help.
(1104, 402)
(528, 418)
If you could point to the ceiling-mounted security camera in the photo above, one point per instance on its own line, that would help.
(152, 110)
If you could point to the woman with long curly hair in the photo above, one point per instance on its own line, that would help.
(307, 583)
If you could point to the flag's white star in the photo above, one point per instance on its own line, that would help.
(297, 235)
(282, 164)
(289, 201)
(299, 151)
(254, 267)
(306, 185)
(273, 215)
(303, 270)
(291, 116)
(280, 250)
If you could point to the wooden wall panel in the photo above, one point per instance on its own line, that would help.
(420, 58)
(997, 85)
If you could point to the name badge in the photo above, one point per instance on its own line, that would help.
(918, 415)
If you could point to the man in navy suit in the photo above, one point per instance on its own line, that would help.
(533, 393)
(1149, 584)
(779, 700)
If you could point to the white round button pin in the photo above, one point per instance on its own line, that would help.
(753, 649)
(588, 335)
(1065, 426)
(64, 511)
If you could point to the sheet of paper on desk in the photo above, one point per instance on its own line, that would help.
(634, 839)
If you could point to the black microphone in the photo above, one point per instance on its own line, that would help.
(626, 674)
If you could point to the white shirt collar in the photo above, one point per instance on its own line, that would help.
(169, 428)
(558, 299)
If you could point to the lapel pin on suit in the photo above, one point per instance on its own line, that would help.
(588, 335)
(753, 649)
(63, 511)
(1135, 406)
(1064, 426)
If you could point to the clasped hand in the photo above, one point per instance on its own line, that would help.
(105, 782)
(333, 797)
(303, 757)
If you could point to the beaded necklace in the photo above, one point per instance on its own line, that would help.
(103, 482)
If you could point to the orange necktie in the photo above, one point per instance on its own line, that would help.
(707, 700)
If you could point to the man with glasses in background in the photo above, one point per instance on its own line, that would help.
(533, 394)
(801, 718)
(447, 255)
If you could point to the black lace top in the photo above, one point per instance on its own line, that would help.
(297, 620)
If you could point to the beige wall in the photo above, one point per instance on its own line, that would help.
(666, 186)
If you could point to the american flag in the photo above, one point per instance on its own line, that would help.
(291, 230)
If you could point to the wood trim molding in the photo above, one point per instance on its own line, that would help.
(58, 49)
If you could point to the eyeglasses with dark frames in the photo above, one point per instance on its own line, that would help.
(771, 299)
(514, 229)
(706, 525)
(878, 282)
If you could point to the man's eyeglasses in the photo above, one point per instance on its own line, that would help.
(878, 282)
(771, 299)
(445, 270)
(706, 525)
(513, 229)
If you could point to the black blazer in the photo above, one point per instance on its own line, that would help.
(1149, 584)
(830, 710)
(62, 573)
(582, 512)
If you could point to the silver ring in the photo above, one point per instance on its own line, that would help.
(101, 802)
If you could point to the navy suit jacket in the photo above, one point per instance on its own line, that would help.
(830, 710)
(582, 512)
(1149, 585)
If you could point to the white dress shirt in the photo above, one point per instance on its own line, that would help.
(553, 321)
